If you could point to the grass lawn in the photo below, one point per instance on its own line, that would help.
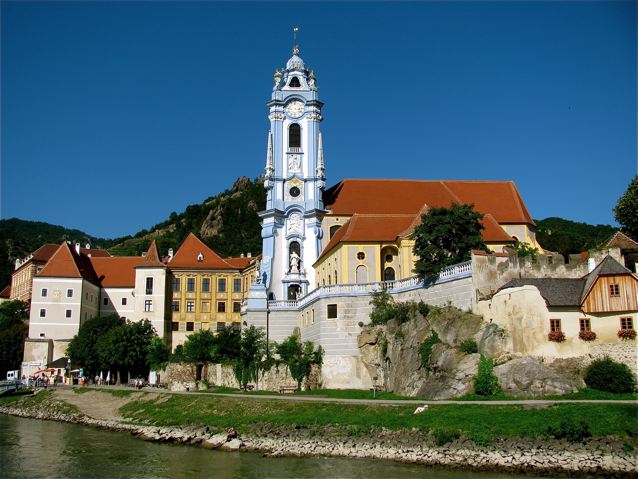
(483, 424)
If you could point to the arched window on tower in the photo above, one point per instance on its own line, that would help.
(294, 136)
(388, 274)
(334, 229)
(294, 83)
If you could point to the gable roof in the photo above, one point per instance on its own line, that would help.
(152, 257)
(6, 292)
(240, 263)
(67, 263)
(570, 291)
(190, 249)
(622, 241)
(116, 271)
(383, 196)
(95, 252)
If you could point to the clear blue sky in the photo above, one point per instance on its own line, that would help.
(114, 114)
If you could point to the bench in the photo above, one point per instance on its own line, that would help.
(287, 389)
(249, 387)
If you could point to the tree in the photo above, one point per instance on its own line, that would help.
(626, 210)
(199, 346)
(226, 345)
(446, 236)
(158, 354)
(82, 349)
(252, 349)
(13, 332)
(299, 357)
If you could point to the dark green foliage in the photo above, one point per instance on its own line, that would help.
(445, 237)
(608, 375)
(299, 357)
(569, 237)
(570, 430)
(406, 311)
(82, 348)
(178, 354)
(199, 346)
(469, 346)
(383, 342)
(425, 350)
(383, 309)
(252, 351)
(486, 384)
(523, 250)
(626, 209)
(13, 332)
(158, 354)
(225, 345)
(445, 436)
(423, 308)
(124, 348)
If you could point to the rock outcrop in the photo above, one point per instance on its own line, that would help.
(528, 376)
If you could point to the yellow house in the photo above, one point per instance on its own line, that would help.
(207, 290)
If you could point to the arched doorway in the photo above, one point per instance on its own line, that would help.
(362, 274)
(388, 274)
(294, 291)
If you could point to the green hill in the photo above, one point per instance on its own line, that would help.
(569, 237)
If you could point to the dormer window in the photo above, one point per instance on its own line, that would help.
(294, 83)
(200, 257)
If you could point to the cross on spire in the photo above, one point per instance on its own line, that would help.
(295, 48)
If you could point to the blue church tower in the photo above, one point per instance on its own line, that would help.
(294, 181)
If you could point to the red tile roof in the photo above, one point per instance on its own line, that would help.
(493, 232)
(369, 196)
(117, 271)
(44, 252)
(66, 263)
(240, 263)
(95, 253)
(152, 258)
(6, 292)
(188, 252)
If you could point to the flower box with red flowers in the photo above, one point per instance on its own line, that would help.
(557, 336)
(587, 335)
(627, 333)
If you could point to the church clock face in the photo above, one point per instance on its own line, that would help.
(295, 108)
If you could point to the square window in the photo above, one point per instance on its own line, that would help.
(627, 323)
(148, 306)
(44, 292)
(614, 290)
(237, 285)
(221, 285)
(236, 307)
(175, 306)
(182, 326)
(190, 306)
(123, 301)
(236, 326)
(190, 326)
(554, 325)
(332, 311)
(221, 307)
(69, 293)
(190, 285)
(205, 306)
(174, 326)
(176, 284)
(67, 313)
(585, 324)
(205, 285)
(106, 301)
(43, 313)
(221, 326)
(149, 285)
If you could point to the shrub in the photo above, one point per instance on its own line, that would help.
(404, 312)
(423, 308)
(426, 349)
(383, 307)
(587, 335)
(608, 375)
(445, 436)
(469, 346)
(486, 384)
(556, 336)
(573, 432)
(627, 333)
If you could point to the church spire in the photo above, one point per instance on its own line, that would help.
(295, 48)
(321, 169)
(270, 169)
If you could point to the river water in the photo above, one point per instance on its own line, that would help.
(34, 448)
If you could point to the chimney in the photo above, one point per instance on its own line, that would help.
(17, 263)
(241, 255)
(87, 246)
(249, 255)
(591, 264)
(77, 248)
(170, 254)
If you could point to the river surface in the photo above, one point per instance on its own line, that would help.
(35, 448)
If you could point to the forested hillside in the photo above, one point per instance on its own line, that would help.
(569, 237)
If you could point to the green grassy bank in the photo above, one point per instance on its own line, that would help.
(483, 424)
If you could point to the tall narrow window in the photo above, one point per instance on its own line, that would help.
(148, 305)
(69, 293)
(149, 285)
(205, 285)
(294, 136)
(190, 285)
(237, 285)
(221, 285)
(176, 285)
(44, 292)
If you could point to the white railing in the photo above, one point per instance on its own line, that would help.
(294, 149)
(455, 271)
